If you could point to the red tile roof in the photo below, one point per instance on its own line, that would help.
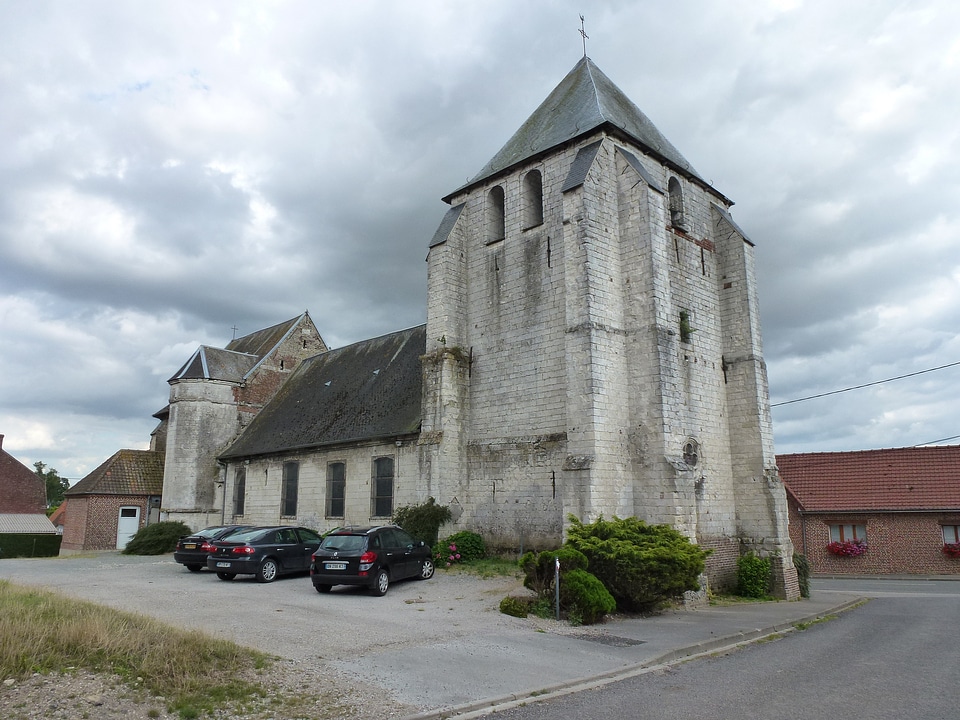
(920, 478)
(126, 472)
(59, 514)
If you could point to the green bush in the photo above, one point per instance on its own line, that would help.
(469, 545)
(583, 595)
(642, 566)
(543, 608)
(539, 568)
(422, 521)
(517, 607)
(29, 545)
(802, 565)
(753, 576)
(156, 539)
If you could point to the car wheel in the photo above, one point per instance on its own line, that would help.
(194, 568)
(268, 571)
(426, 572)
(322, 588)
(226, 576)
(380, 583)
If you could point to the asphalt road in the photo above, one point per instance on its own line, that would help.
(894, 657)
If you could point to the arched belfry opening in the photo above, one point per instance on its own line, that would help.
(532, 199)
(496, 227)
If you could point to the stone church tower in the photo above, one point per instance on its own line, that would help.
(593, 342)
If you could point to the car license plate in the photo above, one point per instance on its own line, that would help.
(189, 546)
(223, 564)
(335, 566)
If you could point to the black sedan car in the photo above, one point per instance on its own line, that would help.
(265, 552)
(372, 557)
(192, 550)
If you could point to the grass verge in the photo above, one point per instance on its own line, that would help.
(488, 567)
(42, 632)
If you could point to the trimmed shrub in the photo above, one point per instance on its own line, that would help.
(753, 576)
(422, 521)
(582, 594)
(156, 539)
(642, 566)
(802, 565)
(517, 607)
(539, 568)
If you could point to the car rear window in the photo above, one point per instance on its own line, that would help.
(208, 532)
(343, 543)
(246, 536)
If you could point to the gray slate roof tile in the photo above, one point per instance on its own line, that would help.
(585, 100)
(368, 390)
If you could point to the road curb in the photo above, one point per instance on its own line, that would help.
(479, 708)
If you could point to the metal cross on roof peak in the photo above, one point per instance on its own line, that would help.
(584, 35)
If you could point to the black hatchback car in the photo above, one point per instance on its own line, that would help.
(192, 550)
(265, 552)
(372, 557)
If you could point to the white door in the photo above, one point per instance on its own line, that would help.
(127, 525)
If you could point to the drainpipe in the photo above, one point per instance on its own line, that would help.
(222, 482)
(803, 531)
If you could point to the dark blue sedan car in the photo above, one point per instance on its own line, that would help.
(265, 552)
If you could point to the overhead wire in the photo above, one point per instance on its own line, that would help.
(865, 385)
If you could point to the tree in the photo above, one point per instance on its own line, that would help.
(56, 485)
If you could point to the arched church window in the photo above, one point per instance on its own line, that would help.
(496, 229)
(381, 498)
(532, 199)
(677, 219)
(239, 489)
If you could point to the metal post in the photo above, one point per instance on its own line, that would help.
(556, 586)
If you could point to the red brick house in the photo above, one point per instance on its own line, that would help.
(107, 507)
(892, 511)
(21, 489)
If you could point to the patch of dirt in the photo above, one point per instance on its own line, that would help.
(84, 695)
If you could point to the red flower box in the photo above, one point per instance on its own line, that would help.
(848, 548)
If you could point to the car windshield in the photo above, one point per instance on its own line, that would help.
(343, 543)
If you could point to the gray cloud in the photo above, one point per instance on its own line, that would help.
(175, 171)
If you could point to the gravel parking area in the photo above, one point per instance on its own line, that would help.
(317, 635)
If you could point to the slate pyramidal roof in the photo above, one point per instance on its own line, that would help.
(234, 362)
(899, 479)
(584, 101)
(366, 391)
(126, 472)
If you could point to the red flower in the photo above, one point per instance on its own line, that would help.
(951, 550)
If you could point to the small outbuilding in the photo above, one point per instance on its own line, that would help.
(107, 507)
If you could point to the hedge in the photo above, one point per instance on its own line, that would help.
(29, 545)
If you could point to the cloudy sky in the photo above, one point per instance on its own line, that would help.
(172, 170)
